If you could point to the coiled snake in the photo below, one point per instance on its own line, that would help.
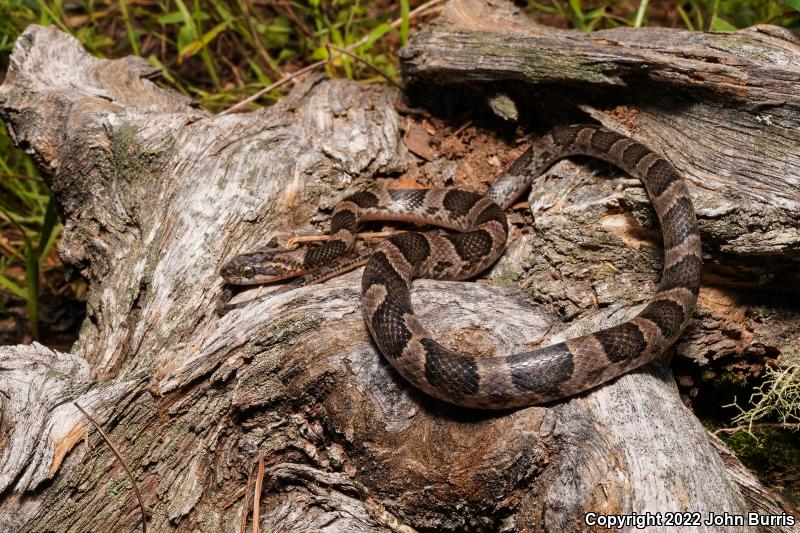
(525, 378)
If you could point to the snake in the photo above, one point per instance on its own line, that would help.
(480, 230)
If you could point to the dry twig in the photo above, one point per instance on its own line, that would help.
(381, 73)
(122, 462)
(19, 177)
(367, 236)
(257, 493)
(771, 425)
(245, 508)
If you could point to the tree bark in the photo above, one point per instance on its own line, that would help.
(156, 195)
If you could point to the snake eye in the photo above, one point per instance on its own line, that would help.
(248, 271)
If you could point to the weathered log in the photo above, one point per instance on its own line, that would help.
(156, 195)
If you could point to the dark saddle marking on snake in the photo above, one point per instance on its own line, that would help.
(526, 378)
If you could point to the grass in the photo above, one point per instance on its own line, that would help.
(219, 52)
(717, 15)
(28, 228)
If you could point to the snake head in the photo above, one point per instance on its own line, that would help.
(263, 266)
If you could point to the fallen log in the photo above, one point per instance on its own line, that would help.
(156, 195)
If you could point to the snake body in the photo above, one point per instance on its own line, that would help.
(532, 377)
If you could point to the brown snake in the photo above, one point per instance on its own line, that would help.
(525, 378)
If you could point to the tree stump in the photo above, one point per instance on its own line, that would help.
(287, 393)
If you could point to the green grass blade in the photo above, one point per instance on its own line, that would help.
(577, 8)
(198, 17)
(47, 236)
(262, 78)
(376, 33)
(404, 21)
(637, 22)
(198, 44)
(188, 31)
(719, 24)
(12, 287)
(578, 18)
(123, 6)
(48, 16)
(32, 281)
(170, 18)
(714, 11)
(164, 70)
(685, 18)
(338, 40)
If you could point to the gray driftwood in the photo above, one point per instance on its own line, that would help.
(157, 194)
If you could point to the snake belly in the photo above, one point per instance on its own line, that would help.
(554, 372)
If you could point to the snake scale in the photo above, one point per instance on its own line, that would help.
(531, 377)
